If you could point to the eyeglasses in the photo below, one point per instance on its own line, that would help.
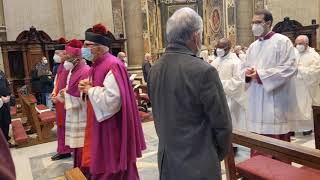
(90, 44)
(71, 60)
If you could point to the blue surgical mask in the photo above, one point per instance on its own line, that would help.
(86, 54)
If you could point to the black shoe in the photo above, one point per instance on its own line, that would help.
(60, 156)
(235, 150)
(12, 145)
(306, 133)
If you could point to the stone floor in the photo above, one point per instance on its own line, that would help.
(34, 162)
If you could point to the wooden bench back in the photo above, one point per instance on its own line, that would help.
(316, 123)
(74, 174)
(29, 109)
(277, 148)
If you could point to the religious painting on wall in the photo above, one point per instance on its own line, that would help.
(215, 21)
(144, 10)
(258, 4)
(154, 27)
(168, 7)
(231, 21)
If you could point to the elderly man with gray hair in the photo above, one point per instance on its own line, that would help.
(191, 113)
(306, 85)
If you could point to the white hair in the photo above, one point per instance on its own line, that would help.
(121, 54)
(147, 55)
(305, 38)
(182, 24)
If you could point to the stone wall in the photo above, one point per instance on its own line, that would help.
(20, 15)
(69, 18)
(117, 17)
(244, 17)
(79, 15)
(134, 32)
(302, 11)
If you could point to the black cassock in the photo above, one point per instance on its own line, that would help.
(5, 118)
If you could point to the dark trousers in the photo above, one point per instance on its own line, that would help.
(5, 130)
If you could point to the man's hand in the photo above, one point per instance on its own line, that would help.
(5, 99)
(85, 85)
(62, 92)
(53, 97)
(252, 73)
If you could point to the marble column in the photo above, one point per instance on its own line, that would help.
(3, 35)
(244, 18)
(134, 32)
(2, 22)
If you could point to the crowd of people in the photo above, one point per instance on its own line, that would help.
(97, 115)
(267, 89)
(302, 82)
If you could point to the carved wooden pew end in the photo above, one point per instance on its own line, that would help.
(265, 168)
(40, 118)
(261, 167)
(74, 174)
(19, 134)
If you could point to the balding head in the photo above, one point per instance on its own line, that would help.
(302, 39)
(148, 57)
(302, 43)
(224, 44)
(121, 55)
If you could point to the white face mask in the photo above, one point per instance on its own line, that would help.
(220, 52)
(257, 30)
(300, 48)
(68, 65)
(57, 58)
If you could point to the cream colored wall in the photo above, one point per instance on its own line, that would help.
(301, 10)
(2, 23)
(134, 32)
(79, 15)
(69, 18)
(244, 17)
(21, 14)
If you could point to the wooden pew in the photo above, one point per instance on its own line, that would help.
(316, 123)
(41, 124)
(139, 79)
(143, 102)
(74, 174)
(279, 149)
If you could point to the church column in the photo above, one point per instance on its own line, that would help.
(133, 29)
(3, 36)
(244, 17)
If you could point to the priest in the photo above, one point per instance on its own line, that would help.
(7, 170)
(228, 66)
(306, 85)
(75, 107)
(63, 151)
(114, 137)
(268, 69)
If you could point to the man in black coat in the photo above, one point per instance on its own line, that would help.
(146, 66)
(5, 117)
(191, 114)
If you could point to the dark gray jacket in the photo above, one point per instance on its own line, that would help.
(191, 114)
